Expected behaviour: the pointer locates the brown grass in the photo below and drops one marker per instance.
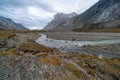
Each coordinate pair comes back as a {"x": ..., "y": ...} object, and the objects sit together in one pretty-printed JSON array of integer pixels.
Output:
[
  {"x": 87, "y": 68},
  {"x": 4, "y": 36},
  {"x": 74, "y": 70},
  {"x": 81, "y": 56},
  {"x": 42, "y": 54},
  {"x": 23, "y": 31},
  {"x": 113, "y": 30},
  {"x": 34, "y": 47},
  {"x": 9, "y": 53},
  {"x": 55, "y": 62},
  {"x": 44, "y": 60},
  {"x": 88, "y": 56}
]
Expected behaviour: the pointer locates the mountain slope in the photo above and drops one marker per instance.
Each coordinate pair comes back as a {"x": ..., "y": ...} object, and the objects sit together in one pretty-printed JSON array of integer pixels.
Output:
[
  {"x": 59, "y": 20},
  {"x": 104, "y": 14},
  {"x": 107, "y": 18},
  {"x": 8, "y": 24}
]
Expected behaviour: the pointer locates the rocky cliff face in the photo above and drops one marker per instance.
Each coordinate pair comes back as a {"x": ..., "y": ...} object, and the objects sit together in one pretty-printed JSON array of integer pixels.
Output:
[
  {"x": 101, "y": 15},
  {"x": 107, "y": 17},
  {"x": 8, "y": 24},
  {"x": 59, "y": 20}
]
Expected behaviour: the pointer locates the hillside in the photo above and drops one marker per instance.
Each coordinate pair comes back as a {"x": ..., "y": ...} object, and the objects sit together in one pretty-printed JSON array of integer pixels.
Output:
[{"x": 8, "y": 24}]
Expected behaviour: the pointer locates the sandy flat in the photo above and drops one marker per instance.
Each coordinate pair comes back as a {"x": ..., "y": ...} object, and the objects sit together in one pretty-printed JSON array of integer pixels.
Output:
[{"x": 80, "y": 36}]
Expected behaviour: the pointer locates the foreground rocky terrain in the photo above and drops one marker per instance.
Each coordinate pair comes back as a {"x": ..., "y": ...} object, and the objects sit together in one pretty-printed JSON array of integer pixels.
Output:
[{"x": 21, "y": 58}]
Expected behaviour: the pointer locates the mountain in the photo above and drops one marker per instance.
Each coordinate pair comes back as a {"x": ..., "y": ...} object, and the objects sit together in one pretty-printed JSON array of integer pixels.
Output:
[
  {"x": 104, "y": 14},
  {"x": 59, "y": 20},
  {"x": 8, "y": 24}
]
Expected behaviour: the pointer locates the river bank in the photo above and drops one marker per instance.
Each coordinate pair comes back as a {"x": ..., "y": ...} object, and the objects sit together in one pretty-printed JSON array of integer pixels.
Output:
[{"x": 108, "y": 48}]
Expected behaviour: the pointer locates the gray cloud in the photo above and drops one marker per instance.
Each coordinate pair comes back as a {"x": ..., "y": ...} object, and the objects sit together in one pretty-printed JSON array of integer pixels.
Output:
[
  {"x": 35, "y": 14},
  {"x": 10, "y": 3},
  {"x": 18, "y": 11},
  {"x": 26, "y": 3},
  {"x": 40, "y": 4}
]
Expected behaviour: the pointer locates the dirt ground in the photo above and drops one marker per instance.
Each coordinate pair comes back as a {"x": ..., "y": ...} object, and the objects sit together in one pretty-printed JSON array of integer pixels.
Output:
[{"x": 82, "y": 36}]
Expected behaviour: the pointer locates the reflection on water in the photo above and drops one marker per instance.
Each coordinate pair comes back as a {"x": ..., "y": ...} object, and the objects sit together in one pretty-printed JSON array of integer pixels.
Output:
[{"x": 65, "y": 45}]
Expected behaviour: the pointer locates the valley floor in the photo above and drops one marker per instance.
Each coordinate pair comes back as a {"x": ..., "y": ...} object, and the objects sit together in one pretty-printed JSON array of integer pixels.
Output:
[
  {"x": 90, "y": 36},
  {"x": 21, "y": 58},
  {"x": 82, "y": 36}
]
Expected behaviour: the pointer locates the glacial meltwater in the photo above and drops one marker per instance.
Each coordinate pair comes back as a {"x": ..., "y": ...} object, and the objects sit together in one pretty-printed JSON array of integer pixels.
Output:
[{"x": 73, "y": 46}]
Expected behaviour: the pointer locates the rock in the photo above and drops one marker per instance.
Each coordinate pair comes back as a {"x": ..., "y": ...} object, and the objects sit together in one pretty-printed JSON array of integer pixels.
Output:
[{"x": 101, "y": 57}]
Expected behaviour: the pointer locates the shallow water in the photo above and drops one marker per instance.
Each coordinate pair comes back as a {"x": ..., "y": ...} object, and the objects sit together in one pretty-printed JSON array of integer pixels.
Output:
[{"x": 72, "y": 46}]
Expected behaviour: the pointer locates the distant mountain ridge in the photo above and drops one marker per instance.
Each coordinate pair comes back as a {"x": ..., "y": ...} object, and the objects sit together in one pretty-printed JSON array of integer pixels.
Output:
[
  {"x": 104, "y": 14},
  {"x": 59, "y": 20},
  {"x": 8, "y": 24}
]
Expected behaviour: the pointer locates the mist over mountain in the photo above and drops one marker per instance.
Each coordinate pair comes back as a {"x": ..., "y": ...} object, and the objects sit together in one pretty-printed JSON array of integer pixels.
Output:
[{"x": 104, "y": 14}]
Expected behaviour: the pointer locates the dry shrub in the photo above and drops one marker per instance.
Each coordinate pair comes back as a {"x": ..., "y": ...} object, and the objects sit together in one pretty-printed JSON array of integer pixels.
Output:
[
  {"x": 74, "y": 70},
  {"x": 44, "y": 60},
  {"x": 114, "y": 30},
  {"x": 9, "y": 53},
  {"x": 4, "y": 36},
  {"x": 34, "y": 47},
  {"x": 42, "y": 54},
  {"x": 86, "y": 56},
  {"x": 70, "y": 66},
  {"x": 26, "y": 31},
  {"x": 2, "y": 53},
  {"x": 73, "y": 55},
  {"x": 87, "y": 68},
  {"x": 81, "y": 56},
  {"x": 55, "y": 62}
]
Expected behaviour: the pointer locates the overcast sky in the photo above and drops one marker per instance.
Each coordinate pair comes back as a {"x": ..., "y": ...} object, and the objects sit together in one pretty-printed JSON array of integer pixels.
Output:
[{"x": 35, "y": 14}]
